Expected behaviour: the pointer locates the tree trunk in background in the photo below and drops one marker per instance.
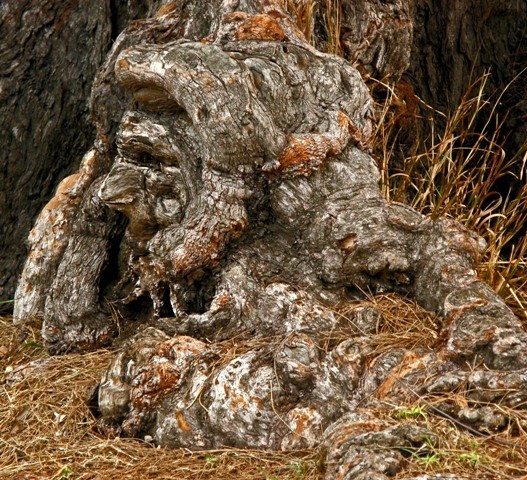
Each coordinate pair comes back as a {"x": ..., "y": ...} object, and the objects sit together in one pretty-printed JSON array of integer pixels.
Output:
[
  {"x": 49, "y": 55},
  {"x": 442, "y": 47},
  {"x": 50, "y": 52},
  {"x": 457, "y": 41}
]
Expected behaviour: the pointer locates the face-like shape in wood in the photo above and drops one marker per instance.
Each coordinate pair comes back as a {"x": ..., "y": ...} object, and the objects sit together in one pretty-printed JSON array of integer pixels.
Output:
[
  {"x": 154, "y": 174},
  {"x": 211, "y": 127},
  {"x": 251, "y": 209}
]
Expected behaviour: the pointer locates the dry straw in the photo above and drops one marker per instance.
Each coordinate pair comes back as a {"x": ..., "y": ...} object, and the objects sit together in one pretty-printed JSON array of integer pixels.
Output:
[
  {"x": 308, "y": 13},
  {"x": 401, "y": 323},
  {"x": 454, "y": 171},
  {"x": 48, "y": 431}
]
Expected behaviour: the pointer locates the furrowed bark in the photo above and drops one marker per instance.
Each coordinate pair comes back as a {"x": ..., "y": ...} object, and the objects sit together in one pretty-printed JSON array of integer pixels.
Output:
[{"x": 49, "y": 55}]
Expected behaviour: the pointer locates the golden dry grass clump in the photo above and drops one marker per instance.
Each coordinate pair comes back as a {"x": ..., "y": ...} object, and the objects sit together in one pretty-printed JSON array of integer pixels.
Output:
[
  {"x": 457, "y": 166},
  {"x": 401, "y": 323}
]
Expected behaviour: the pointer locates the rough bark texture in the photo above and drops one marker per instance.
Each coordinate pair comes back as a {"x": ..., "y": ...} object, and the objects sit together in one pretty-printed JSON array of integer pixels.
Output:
[
  {"x": 440, "y": 48},
  {"x": 377, "y": 36},
  {"x": 49, "y": 55},
  {"x": 469, "y": 36},
  {"x": 227, "y": 206},
  {"x": 44, "y": 129}
]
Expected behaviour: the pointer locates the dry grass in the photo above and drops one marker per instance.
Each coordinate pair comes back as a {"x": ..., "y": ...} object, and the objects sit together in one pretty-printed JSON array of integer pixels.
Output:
[
  {"x": 401, "y": 324},
  {"x": 462, "y": 454},
  {"x": 455, "y": 172},
  {"x": 332, "y": 23},
  {"x": 470, "y": 454},
  {"x": 49, "y": 432},
  {"x": 307, "y": 13},
  {"x": 303, "y": 12}
]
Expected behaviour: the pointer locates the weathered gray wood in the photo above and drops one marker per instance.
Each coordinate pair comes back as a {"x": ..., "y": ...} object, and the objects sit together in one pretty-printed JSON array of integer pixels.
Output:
[
  {"x": 234, "y": 151},
  {"x": 378, "y": 35},
  {"x": 441, "y": 48}
]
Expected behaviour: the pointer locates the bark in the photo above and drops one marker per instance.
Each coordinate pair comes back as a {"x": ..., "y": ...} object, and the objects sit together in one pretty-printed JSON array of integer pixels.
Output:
[
  {"x": 436, "y": 50},
  {"x": 227, "y": 206},
  {"x": 49, "y": 55},
  {"x": 377, "y": 36},
  {"x": 470, "y": 37},
  {"x": 59, "y": 48},
  {"x": 455, "y": 43},
  {"x": 43, "y": 116}
]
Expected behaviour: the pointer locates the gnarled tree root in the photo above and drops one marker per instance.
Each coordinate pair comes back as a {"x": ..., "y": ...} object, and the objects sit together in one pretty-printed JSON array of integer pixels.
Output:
[{"x": 233, "y": 150}]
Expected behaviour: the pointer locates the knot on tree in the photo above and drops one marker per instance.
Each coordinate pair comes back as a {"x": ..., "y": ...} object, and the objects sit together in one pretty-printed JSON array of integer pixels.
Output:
[
  {"x": 260, "y": 27},
  {"x": 305, "y": 153}
]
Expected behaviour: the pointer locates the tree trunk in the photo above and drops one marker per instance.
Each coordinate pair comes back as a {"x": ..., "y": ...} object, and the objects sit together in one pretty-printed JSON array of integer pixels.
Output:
[
  {"x": 49, "y": 54},
  {"x": 227, "y": 207},
  {"x": 469, "y": 37},
  {"x": 59, "y": 46},
  {"x": 456, "y": 42}
]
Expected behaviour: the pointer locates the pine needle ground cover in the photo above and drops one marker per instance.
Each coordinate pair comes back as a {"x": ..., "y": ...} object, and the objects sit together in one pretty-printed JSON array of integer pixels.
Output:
[{"x": 48, "y": 430}]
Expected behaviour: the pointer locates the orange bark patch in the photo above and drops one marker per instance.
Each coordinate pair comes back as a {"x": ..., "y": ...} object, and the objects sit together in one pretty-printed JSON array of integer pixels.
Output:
[
  {"x": 349, "y": 243},
  {"x": 182, "y": 423},
  {"x": 222, "y": 301},
  {"x": 123, "y": 64},
  {"x": 61, "y": 199},
  {"x": 275, "y": 13},
  {"x": 302, "y": 422},
  {"x": 410, "y": 362},
  {"x": 68, "y": 183},
  {"x": 151, "y": 386},
  {"x": 302, "y": 150},
  {"x": 56, "y": 203},
  {"x": 305, "y": 153},
  {"x": 260, "y": 27},
  {"x": 170, "y": 7},
  {"x": 180, "y": 346},
  {"x": 350, "y": 430},
  {"x": 235, "y": 17}
]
